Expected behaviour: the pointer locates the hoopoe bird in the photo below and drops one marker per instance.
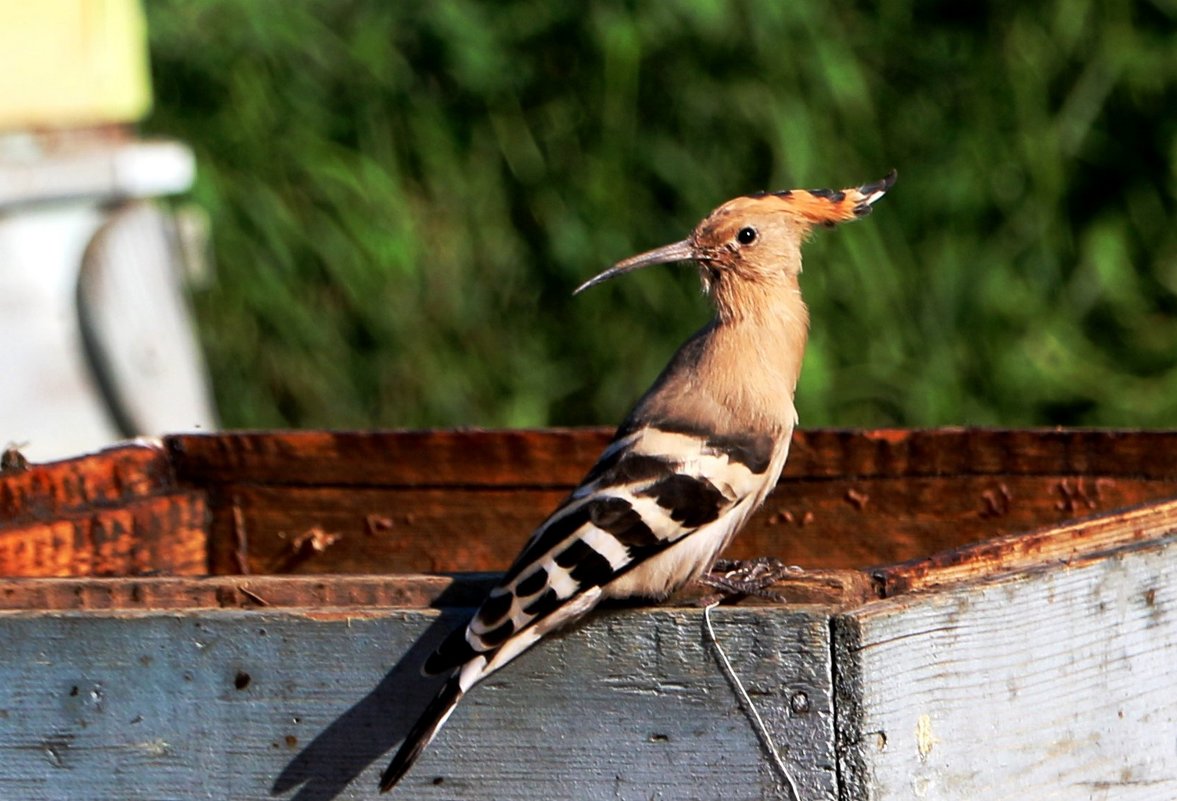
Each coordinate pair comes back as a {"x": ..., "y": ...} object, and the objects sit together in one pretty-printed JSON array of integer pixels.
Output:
[{"x": 694, "y": 459}]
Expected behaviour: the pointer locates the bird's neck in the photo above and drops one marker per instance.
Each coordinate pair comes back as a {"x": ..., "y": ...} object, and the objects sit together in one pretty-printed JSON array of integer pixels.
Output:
[
  {"x": 757, "y": 343},
  {"x": 737, "y": 374}
]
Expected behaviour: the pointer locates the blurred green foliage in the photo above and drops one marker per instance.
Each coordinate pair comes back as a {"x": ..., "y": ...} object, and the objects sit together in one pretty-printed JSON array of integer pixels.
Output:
[{"x": 403, "y": 196}]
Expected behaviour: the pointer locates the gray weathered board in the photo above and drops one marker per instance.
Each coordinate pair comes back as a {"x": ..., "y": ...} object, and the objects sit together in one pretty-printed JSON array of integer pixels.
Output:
[
  {"x": 1053, "y": 680},
  {"x": 231, "y": 704},
  {"x": 1058, "y": 682}
]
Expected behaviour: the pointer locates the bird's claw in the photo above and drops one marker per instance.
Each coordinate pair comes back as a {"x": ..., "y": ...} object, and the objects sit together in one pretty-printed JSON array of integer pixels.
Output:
[{"x": 740, "y": 578}]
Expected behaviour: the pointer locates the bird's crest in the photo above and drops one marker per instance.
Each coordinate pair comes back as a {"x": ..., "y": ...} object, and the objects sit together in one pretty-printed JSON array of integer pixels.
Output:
[{"x": 831, "y": 206}]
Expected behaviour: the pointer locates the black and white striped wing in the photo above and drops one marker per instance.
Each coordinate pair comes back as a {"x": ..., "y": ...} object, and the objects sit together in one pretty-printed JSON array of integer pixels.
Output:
[{"x": 651, "y": 489}]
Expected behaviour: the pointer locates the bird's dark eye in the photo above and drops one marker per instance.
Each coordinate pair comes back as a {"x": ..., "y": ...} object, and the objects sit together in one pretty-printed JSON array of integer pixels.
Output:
[{"x": 746, "y": 236}]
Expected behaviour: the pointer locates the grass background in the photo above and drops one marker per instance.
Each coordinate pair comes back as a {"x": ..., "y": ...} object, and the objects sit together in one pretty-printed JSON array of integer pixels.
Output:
[{"x": 403, "y": 196}]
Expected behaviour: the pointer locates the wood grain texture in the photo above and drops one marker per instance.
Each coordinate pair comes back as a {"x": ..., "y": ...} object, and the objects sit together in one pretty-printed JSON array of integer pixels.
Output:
[
  {"x": 832, "y": 588},
  {"x": 1054, "y": 682},
  {"x": 1057, "y": 545},
  {"x": 142, "y": 535},
  {"x": 157, "y": 593},
  {"x": 263, "y": 704},
  {"x": 44, "y": 492},
  {"x": 826, "y": 523},
  {"x": 848, "y": 499},
  {"x": 832, "y": 453},
  {"x": 439, "y": 501},
  {"x": 441, "y": 458},
  {"x": 116, "y": 512},
  {"x": 559, "y": 457},
  {"x": 434, "y": 530},
  {"x": 853, "y": 522}
]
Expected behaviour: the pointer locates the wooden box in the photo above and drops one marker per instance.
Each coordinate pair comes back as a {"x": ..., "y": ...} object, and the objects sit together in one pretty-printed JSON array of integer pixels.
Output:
[{"x": 976, "y": 614}]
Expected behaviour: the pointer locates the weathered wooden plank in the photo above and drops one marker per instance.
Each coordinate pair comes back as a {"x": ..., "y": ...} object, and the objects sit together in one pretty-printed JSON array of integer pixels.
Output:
[
  {"x": 1056, "y": 544},
  {"x": 366, "y": 530},
  {"x": 252, "y": 705},
  {"x": 157, "y": 593},
  {"x": 834, "y": 588},
  {"x": 559, "y": 457},
  {"x": 980, "y": 451},
  {"x": 445, "y": 458},
  {"x": 859, "y": 522},
  {"x": 849, "y": 499},
  {"x": 363, "y": 502},
  {"x": 44, "y": 492},
  {"x": 141, "y": 535},
  {"x": 829, "y": 523},
  {"x": 1054, "y": 682}
]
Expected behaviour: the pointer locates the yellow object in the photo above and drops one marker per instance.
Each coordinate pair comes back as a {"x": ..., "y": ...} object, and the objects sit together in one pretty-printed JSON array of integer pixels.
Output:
[{"x": 72, "y": 63}]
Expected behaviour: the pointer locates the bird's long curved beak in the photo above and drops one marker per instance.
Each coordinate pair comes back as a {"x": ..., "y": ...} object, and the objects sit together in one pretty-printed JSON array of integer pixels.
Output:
[{"x": 679, "y": 251}]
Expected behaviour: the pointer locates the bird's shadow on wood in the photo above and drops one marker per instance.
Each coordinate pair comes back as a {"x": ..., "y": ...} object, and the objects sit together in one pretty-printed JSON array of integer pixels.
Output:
[
  {"x": 383, "y": 717},
  {"x": 366, "y": 731}
]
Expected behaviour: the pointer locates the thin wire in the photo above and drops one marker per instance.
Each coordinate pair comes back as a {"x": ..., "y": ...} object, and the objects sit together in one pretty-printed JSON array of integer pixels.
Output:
[{"x": 746, "y": 700}]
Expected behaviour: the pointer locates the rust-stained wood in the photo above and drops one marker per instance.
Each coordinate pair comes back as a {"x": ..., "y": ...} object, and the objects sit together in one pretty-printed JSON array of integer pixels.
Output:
[
  {"x": 117, "y": 512},
  {"x": 162, "y": 534},
  {"x": 846, "y": 453},
  {"x": 826, "y": 523},
  {"x": 443, "y": 501},
  {"x": 373, "y": 530},
  {"x": 132, "y": 594},
  {"x": 832, "y": 588},
  {"x": 1056, "y": 545},
  {"x": 847, "y": 499},
  {"x": 859, "y": 522},
  {"x": 43, "y": 493},
  {"x": 451, "y": 458},
  {"x": 559, "y": 457}
]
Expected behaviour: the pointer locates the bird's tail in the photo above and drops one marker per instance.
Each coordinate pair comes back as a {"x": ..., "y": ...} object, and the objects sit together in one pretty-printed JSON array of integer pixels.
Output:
[
  {"x": 830, "y": 206},
  {"x": 423, "y": 732}
]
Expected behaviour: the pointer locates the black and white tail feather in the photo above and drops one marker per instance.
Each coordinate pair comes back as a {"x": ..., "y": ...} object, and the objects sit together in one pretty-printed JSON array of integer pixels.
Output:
[{"x": 695, "y": 458}]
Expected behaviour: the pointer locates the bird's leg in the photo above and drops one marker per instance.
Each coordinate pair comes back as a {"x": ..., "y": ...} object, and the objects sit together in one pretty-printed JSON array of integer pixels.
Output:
[{"x": 744, "y": 577}]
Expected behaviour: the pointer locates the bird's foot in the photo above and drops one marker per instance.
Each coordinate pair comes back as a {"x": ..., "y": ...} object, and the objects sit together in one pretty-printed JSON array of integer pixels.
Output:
[{"x": 740, "y": 578}]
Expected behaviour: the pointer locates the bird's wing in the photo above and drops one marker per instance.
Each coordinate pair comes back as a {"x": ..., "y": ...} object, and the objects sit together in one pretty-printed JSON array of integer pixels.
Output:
[{"x": 651, "y": 488}]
